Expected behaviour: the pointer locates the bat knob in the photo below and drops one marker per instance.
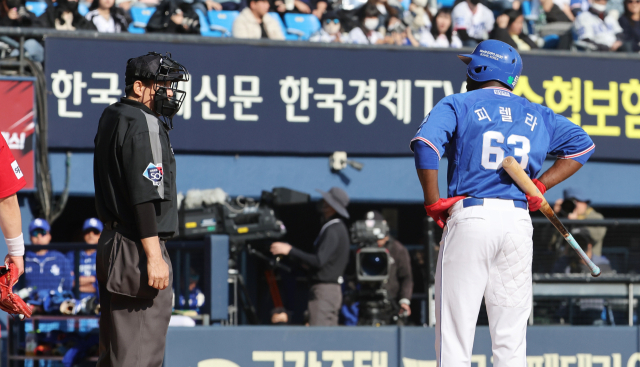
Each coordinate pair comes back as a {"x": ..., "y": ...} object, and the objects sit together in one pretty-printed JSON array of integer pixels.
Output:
[{"x": 595, "y": 272}]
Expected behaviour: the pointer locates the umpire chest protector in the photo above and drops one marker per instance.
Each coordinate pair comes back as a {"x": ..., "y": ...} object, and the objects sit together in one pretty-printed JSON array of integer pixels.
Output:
[{"x": 134, "y": 164}]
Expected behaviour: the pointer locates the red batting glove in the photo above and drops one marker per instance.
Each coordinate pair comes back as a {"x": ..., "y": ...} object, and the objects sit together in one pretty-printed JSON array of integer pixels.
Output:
[
  {"x": 535, "y": 202},
  {"x": 438, "y": 210}
]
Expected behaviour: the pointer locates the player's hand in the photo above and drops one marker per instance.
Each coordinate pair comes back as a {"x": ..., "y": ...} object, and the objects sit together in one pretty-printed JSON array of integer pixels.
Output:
[
  {"x": 406, "y": 309},
  {"x": 438, "y": 210},
  {"x": 535, "y": 202},
  {"x": 158, "y": 272},
  {"x": 18, "y": 261},
  {"x": 280, "y": 248}
]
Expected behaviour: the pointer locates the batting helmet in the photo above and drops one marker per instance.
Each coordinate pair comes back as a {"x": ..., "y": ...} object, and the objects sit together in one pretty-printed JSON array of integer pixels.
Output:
[{"x": 494, "y": 60}]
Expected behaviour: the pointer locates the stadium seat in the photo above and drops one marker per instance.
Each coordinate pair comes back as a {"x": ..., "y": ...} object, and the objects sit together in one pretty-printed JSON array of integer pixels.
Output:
[
  {"x": 405, "y": 4},
  {"x": 83, "y": 9},
  {"x": 36, "y": 7},
  {"x": 302, "y": 25},
  {"x": 140, "y": 18},
  {"x": 287, "y": 35},
  {"x": 220, "y": 23},
  {"x": 445, "y": 3}
]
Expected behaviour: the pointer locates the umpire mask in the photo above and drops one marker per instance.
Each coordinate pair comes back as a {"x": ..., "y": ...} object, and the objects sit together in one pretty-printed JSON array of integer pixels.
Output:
[{"x": 168, "y": 98}]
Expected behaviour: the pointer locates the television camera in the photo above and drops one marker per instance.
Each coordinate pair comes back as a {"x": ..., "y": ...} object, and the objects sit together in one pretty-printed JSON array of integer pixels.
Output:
[{"x": 373, "y": 266}]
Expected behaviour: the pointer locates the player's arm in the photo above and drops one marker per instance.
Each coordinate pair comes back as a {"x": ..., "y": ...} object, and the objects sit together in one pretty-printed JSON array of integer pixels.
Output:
[
  {"x": 11, "y": 225},
  {"x": 573, "y": 147},
  {"x": 428, "y": 145}
]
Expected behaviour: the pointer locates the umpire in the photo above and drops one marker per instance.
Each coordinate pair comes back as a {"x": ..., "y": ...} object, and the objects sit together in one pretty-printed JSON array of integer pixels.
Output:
[
  {"x": 328, "y": 261},
  {"x": 134, "y": 173}
]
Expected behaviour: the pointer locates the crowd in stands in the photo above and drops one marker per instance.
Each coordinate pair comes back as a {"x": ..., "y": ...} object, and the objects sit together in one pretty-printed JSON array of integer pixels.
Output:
[{"x": 583, "y": 25}]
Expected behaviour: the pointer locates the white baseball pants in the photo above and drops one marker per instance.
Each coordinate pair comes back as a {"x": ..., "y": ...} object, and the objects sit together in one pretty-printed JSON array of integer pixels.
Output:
[{"x": 486, "y": 250}]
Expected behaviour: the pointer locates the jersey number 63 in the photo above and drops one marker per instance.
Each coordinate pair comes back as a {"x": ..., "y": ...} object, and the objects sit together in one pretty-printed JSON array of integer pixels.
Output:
[{"x": 488, "y": 150}]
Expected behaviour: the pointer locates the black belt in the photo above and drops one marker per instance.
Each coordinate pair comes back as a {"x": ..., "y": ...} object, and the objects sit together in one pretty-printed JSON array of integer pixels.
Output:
[{"x": 475, "y": 202}]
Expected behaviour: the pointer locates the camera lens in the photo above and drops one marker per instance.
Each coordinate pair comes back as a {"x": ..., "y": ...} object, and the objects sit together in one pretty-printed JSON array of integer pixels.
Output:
[{"x": 374, "y": 264}]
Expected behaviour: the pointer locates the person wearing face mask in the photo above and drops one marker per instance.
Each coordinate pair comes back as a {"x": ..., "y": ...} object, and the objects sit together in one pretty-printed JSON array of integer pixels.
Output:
[
  {"x": 509, "y": 30},
  {"x": 473, "y": 21},
  {"x": 398, "y": 34},
  {"x": 331, "y": 31},
  {"x": 64, "y": 17},
  {"x": 442, "y": 34},
  {"x": 366, "y": 33},
  {"x": 329, "y": 260},
  {"x": 599, "y": 30}
]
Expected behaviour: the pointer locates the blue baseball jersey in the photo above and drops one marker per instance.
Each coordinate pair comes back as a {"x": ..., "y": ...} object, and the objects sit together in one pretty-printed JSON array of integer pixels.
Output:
[
  {"x": 48, "y": 271},
  {"x": 87, "y": 267},
  {"x": 478, "y": 129}
]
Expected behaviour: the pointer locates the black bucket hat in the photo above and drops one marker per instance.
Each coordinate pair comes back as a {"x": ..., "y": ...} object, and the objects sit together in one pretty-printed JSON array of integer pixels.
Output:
[{"x": 338, "y": 199}]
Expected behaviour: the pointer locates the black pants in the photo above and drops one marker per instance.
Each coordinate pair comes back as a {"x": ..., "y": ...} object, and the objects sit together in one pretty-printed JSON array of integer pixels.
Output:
[{"x": 133, "y": 330}]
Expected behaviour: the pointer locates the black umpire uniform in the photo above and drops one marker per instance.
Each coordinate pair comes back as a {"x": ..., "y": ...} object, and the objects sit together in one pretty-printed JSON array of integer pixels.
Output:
[{"x": 135, "y": 187}]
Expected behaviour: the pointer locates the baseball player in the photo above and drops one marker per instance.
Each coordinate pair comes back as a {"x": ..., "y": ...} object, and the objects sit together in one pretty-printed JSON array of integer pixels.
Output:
[
  {"x": 11, "y": 180},
  {"x": 486, "y": 247},
  {"x": 91, "y": 229},
  {"x": 46, "y": 270}
]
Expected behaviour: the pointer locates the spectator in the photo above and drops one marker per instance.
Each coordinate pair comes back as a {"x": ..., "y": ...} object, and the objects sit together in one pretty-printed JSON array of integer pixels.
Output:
[
  {"x": 208, "y": 5},
  {"x": 174, "y": 17},
  {"x": 331, "y": 31},
  {"x": 398, "y": 34},
  {"x": 125, "y": 7},
  {"x": 400, "y": 284},
  {"x": 386, "y": 10},
  {"x": 64, "y": 17},
  {"x": 92, "y": 228},
  {"x": 630, "y": 23},
  {"x": 14, "y": 14},
  {"x": 419, "y": 18},
  {"x": 597, "y": 30},
  {"x": 557, "y": 13},
  {"x": 107, "y": 17},
  {"x": 570, "y": 261},
  {"x": 473, "y": 21},
  {"x": 329, "y": 260},
  {"x": 254, "y": 22},
  {"x": 366, "y": 33},
  {"x": 46, "y": 269},
  {"x": 509, "y": 29},
  {"x": 575, "y": 205},
  {"x": 315, "y": 7},
  {"x": 442, "y": 34}
]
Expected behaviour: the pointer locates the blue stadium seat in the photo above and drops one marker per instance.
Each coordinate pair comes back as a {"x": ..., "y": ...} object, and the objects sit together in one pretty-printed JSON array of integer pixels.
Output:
[
  {"x": 220, "y": 23},
  {"x": 302, "y": 25},
  {"x": 36, "y": 7},
  {"x": 445, "y": 3},
  {"x": 287, "y": 35},
  {"x": 140, "y": 18},
  {"x": 405, "y": 4},
  {"x": 83, "y": 9}
]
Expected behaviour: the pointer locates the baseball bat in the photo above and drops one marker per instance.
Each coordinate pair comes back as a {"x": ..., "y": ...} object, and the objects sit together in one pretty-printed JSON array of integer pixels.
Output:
[{"x": 523, "y": 181}]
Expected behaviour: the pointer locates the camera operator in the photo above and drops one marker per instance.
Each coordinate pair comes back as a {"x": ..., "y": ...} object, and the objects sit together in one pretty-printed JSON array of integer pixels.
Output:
[
  {"x": 575, "y": 205},
  {"x": 399, "y": 286},
  {"x": 329, "y": 260}
]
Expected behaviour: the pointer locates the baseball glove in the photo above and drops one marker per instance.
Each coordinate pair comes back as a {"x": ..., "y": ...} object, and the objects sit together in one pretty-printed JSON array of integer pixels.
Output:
[{"x": 9, "y": 301}]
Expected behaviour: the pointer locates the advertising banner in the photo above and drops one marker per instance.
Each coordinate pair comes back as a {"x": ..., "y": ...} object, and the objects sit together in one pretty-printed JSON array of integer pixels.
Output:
[
  {"x": 17, "y": 123},
  {"x": 274, "y": 99}
]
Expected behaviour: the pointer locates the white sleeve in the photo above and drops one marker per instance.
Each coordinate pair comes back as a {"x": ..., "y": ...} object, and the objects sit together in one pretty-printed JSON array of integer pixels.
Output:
[
  {"x": 455, "y": 42},
  {"x": 582, "y": 28},
  {"x": 459, "y": 17}
]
